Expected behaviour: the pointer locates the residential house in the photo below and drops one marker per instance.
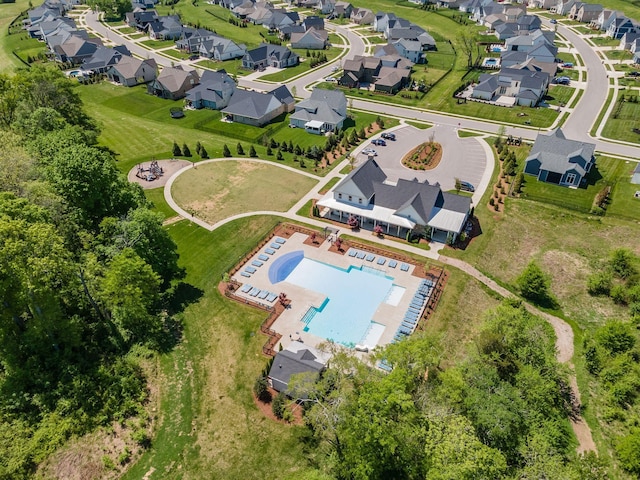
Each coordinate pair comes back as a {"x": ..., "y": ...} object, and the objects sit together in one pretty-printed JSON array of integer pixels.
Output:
[
  {"x": 76, "y": 49},
  {"x": 325, "y": 6},
  {"x": 362, "y": 16},
  {"x": 296, "y": 362},
  {"x": 452, "y": 4},
  {"x": 140, "y": 19},
  {"x": 267, "y": 55},
  {"x": 221, "y": 49},
  {"x": 412, "y": 33},
  {"x": 166, "y": 27},
  {"x": 214, "y": 91},
  {"x": 469, "y": 6},
  {"x": 258, "y": 108},
  {"x": 311, "y": 39},
  {"x": 620, "y": 26},
  {"x": 324, "y": 111},
  {"x": 387, "y": 73},
  {"x": 588, "y": 12},
  {"x": 628, "y": 41},
  {"x": 47, "y": 27},
  {"x": 313, "y": 21},
  {"x": 543, "y": 4},
  {"x": 635, "y": 176},
  {"x": 173, "y": 83},
  {"x": 528, "y": 40},
  {"x": 411, "y": 50},
  {"x": 573, "y": 12},
  {"x": 517, "y": 85},
  {"x": 280, "y": 19},
  {"x": 131, "y": 71},
  {"x": 381, "y": 21},
  {"x": 143, "y": 4},
  {"x": 542, "y": 53},
  {"x": 397, "y": 208},
  {"x": 556, "y": 159},
  {"x": 105, "y": 57},
  {"x": 563, "y": 7},
  {"x": 342, "y": 9},
  {"x": 605, "y": 18}
]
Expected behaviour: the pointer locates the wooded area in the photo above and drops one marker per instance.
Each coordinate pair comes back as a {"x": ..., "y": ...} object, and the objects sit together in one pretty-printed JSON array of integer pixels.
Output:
[{"x": 85, "y": 276}]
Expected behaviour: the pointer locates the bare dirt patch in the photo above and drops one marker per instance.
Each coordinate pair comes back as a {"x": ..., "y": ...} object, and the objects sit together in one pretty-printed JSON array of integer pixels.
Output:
[
  {"x": 425, "y": 156},
  {"x": 169, "y": 167}
]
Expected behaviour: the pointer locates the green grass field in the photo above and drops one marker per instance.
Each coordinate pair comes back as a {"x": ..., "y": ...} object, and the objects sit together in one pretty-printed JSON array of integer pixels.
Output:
[
  {"x": 8, "y": 12},
  {"x": 605, "y": 41},
  {"x": 290, "y": 72},
  {"x": 218, "y": 190},
  {"x": 627, "y": 117},
  {"x": 618, "y": 55},
  {"x": 559, "y": 94},
  {"x": 156, "y": 197}
]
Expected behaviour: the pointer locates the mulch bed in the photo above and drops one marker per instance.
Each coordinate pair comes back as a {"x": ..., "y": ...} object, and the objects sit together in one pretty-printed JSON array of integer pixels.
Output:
[
  {"x": 426, "y": 160},
  {"x": 265, "y": 408}
]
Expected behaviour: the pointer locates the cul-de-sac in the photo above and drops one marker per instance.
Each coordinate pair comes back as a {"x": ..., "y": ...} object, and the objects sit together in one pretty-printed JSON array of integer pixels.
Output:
[{"x": 316, "y": 240}]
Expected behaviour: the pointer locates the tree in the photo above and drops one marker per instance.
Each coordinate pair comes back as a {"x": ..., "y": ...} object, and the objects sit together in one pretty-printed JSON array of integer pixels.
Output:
[
  {"x": 204, "y": 153},
  {"x": 616, "y": 337},
  {"x": 458, "y": 185},
  {"x": 261, "y": 389},
  {"x": 279, "y": 155},
  {"x": 533, "y": 283},
  {"x": 467, "y": 42},
  {"x": 252, "y": 152},
  {"x": 600, "y": 283},
  {"x": 225, "y": 151},
  {"x": 269, "y": 151},
  {"x": 290, "y": 147},
  {"x": 622, "y": 262},
  {"x": 279, "y": 404},
  {"x": 453, "y": 451},
  {"x": 628, "y": 450},
  {"x": 176, "y": 150},
  {"x": 198, "y": 147},
  {"x": 185, "y": 150},
  {"x": 239, "y": 149},
  {"x": 130, "y": 291}
]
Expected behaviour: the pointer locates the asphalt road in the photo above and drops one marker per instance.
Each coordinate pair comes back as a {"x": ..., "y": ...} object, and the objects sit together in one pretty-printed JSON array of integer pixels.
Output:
[{"x": 462, "y": 158}]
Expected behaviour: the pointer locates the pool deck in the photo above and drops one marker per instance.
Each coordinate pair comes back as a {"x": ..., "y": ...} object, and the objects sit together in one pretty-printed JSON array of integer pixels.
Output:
[{"x": 289, "y": 323}]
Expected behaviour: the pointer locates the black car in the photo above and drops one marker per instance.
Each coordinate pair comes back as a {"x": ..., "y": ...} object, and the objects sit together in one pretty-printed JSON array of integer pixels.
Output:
[
  {"x": 467, "y": 187},
  {"x": 388, "y": 136}
]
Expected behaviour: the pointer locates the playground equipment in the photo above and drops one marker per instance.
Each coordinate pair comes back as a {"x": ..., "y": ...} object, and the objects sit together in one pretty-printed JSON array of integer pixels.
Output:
[{"x": 150, "y": 174}]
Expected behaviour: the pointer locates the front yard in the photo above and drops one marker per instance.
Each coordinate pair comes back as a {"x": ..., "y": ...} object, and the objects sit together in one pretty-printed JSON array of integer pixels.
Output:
[{"x": 623, "y": 120}]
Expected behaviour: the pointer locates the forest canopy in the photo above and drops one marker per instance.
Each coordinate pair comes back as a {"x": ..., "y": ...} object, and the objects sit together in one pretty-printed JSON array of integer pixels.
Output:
[{"x": 86, "y": 272}]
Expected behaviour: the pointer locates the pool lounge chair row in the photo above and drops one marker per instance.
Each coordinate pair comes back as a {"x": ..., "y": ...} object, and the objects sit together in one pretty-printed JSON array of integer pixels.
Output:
[
  {"x": 359, "y": 254},
  {"x": 256, "y": 292}
]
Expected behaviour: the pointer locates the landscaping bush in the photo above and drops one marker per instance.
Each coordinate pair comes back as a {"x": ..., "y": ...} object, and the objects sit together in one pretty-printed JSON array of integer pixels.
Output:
[
  {"x": 252, "y": 152},
  {"x": 619, "y": 294},
  {"x": 185, "y": 150},
  {"x": 278, "y": 405},
  {"x": 599, "y": 283},
  {"x": 622, "y": 262},
  {"x": 239, "y": 149},
  {"x": 261, "y": 389},
  {"x": 533, "y": 283},
  {"x": 204, "y": 153},
  {"x": 176, "y": 150},
  {"x": 225, "y": 151},
  {"x": 269, "y": 151}
]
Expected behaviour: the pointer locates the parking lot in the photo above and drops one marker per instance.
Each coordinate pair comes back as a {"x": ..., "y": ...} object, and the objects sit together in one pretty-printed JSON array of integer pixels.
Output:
[{"x": 462, "y": 158}]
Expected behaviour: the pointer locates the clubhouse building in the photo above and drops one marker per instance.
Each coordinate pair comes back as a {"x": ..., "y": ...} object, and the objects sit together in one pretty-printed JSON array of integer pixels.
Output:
[{"x": 367, "y": 197}]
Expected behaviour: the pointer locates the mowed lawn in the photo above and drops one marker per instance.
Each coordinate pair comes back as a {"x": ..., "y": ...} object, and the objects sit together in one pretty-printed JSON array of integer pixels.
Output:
[
  {"x": 8, "y": 13},
  {"x": 627, "y": 118},
  {"x": 217, "y": 190},
  {"x": 207, "y": 423}
]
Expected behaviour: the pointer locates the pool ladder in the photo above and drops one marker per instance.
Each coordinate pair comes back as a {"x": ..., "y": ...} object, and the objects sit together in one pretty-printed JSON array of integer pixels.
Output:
[{"x": 309, "y": 314}]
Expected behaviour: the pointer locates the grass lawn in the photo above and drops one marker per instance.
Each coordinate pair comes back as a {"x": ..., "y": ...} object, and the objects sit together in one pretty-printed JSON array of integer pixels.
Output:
[
  {"x": 329, "y": 185},
  {"x": 175, "y": 53},
  {"x": 216, "y": 18},
  {"x": 559, "y": 94},
  {"x": 290, "y": 72},
  {"x": 623, "y": 203},
  {"x": 567, "y": 57},
  {"x": 603, "y": 110},
  {"x": 618, "y": 54},
  {"x": 218, "y": 190},
  {"x": 605, "y": 41},
  {"x": 153, "y": 44},
  {"x": 156, "y": 196},
  {"x": 127, "y": 30},
  {"x": 232, "y": 67},
  {"x": 627, "y": 118},
  {"x": 208, "y": 425},
  {"x": 420, "y": 125},
  {"x": 22, "y": 46},
  {"x": 605, "y": 172},
  {"x": 577, "y": 99}
]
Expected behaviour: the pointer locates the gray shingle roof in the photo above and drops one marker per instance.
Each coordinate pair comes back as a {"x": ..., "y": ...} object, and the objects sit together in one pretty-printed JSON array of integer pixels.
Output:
[
  {"x": 251, "y": 104},
  {"x": 288, "y": 363},
  {"x": 554, "y": 151}
]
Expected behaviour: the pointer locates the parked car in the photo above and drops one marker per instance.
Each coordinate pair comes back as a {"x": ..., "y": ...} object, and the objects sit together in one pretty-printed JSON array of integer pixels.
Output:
[
  {"x": 562, "y": 80},
  {"x": 567, "y": 65},
  {"x": 195, "y": 56},
  {"x": 553, "y": 20},
  {"x": 379, "y": 142},
  {"x": 634, "y": 74},
  {"x": 370, "y": 151},
  {"x": 388, "y": 136},
  {"x": 467, "y": 187}
]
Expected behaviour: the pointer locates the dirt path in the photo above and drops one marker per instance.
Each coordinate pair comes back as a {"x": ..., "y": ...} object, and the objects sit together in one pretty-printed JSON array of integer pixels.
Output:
[{"x": 564, "y": 347}]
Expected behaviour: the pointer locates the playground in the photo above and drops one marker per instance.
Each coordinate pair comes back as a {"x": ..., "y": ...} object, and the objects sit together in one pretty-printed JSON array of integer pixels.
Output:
[{"x": 155, "y": 174}]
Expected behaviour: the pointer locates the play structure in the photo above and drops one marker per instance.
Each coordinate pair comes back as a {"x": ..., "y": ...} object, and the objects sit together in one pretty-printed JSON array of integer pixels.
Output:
[{"x": 149, "y": 174}]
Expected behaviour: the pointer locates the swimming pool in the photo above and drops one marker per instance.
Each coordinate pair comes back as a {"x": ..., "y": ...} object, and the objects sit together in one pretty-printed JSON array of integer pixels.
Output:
[{"x": 352, "y": 298}]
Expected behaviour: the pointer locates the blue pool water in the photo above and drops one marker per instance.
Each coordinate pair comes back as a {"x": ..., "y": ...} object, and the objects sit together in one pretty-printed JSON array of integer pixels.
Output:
[
  {"x": 490, "y": 61},
  {"x": 282, "y": 266},
  {"x": 352, "y": 297}
]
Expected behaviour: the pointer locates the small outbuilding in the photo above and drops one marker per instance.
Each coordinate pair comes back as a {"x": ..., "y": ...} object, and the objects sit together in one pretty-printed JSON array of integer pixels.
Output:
[
  {"x": 635, "y": 176},
  {"x": 296, "y": 359}
]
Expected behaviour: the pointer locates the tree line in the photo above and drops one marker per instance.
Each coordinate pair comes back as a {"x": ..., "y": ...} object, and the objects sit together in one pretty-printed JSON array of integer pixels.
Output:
[{"x": 86, "y": 275}]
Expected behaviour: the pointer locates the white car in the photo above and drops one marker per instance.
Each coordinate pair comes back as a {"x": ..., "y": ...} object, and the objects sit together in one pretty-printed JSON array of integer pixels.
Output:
[{"x": 370, "y": 151}]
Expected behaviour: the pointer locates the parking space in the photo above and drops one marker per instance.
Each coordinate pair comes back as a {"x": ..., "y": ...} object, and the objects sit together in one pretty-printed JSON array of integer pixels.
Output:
[{"x": 462, "y": 158}]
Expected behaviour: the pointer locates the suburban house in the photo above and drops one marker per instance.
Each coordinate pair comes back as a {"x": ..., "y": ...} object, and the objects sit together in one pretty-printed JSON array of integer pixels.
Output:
[
  {"x": 130, "y": 71},
  {"x": 468, "y": 6},
  {"x": 556, "y": 159},
  {"x": 397, "y": 208},
  {"x": 214, "y": 92},
  {"x": 173, "y": 83},
  {"x": 544, "y": 4},
  {"x": 76, "y": 49},
  {"x": 140, "y": 19},
  {"x": 635, "y": 176},
  {"x": 209, "y": 44},
  {"x": 257, "y": 108},
  {"x": 387, "y": 73},
  {"x": 525, "y": 23},
  {"x": 312, "y": 39},
  {"x": 362, "y": 16},
  {"x": 620, "y": 26},
  {"x": 105, "y": 57},
  {"x": 324, "y": 111},
  {"x": 267, "y": 55},
  {"x": 628, "y": 41},
  {"x": 605, "y": 18},
  {"x": 325, "y": 6},
  {"x": 528, "y": 40},
  {"x": 563, "y": 7},
  {"x": 342, "y": 9},
  {"x": 278, "y": 19},
  {"x": 588, "y": 12},
  {"x": 518, "y": 85},
  {"x": 542, "y": 54},
  {"x": 165, "y": 28},
  {"x": 299, "y": 360}
]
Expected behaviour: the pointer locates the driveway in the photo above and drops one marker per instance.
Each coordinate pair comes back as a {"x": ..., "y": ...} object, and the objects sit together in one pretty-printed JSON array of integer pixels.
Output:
[{"x": 463, "y": 158}]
